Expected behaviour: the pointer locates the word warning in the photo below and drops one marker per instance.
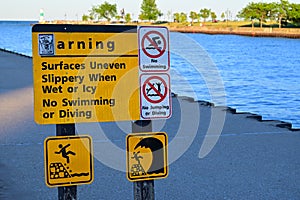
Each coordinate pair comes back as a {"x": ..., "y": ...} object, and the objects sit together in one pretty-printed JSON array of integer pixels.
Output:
[{"x": 68, "y": 160}]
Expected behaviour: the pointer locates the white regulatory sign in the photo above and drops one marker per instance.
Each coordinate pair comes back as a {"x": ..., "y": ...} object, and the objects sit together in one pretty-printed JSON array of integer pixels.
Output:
[
  {"x": 154, "y": 62},
  {"x": 154, "y": 53},
  {"x": 155, "y": 96}
]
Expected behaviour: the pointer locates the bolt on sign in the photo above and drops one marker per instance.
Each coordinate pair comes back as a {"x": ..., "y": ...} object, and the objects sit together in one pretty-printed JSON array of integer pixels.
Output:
[
  {"x": 91, "y": 73},
  {"x": 68, "y": 160},
  {"x": 146, "y": 156}
]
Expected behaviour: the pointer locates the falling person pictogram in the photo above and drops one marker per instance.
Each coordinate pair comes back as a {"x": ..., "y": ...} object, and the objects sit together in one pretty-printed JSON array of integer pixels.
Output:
[{"x": 64, "y": 152}]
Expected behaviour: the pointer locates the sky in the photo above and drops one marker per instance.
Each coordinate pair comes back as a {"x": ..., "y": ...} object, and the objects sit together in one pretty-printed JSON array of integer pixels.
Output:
[{"x": 74, "y": 9}]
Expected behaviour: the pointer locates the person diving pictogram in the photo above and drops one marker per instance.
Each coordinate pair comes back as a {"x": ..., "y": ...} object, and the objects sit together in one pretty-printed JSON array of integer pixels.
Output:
[
  {"x": 64, "y": 153},
  {"x": 154, "y": 43}
]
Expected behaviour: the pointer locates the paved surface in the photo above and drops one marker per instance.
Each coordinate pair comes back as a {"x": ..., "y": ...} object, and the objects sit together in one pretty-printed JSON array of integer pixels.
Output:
[{"x": 251, "y": 159}]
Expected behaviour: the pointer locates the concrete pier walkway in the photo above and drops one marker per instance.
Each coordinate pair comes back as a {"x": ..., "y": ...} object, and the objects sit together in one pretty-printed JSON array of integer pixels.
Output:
[{"x": 252, "y": 159}]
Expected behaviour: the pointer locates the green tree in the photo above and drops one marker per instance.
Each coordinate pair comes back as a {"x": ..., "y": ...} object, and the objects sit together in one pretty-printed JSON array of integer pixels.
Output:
[
  {"x": 205, "y": 13},
  {"x": 85, "y": 17},
  {"x": 248, "y": 13},
  {"x": 104, "y": 11},
  {"x": 193, "y": 16},
  {"x": 254, "y": 11},
  {"x": 223, "y": 16},
  {"x": 118, "y": 17},
  {"x": 92, "y": 17},
  {"x": 183, "y": 17},
  {"x": 260, "y": 11},
  {"x": 127, "y": 18},
  {"x": 280, "y": 11},
  {"x": 272, "y": 13},
  {"x": 213, "y": 16},
  {"x": 93, "y": 13},
  {"x": 176, "y": 17},
  {"x": 294, "y": 13},
  {"x": 268, "y": 12},
  {"x": 180, "y": 17},
  {"x": 198, "y": 17},
  {"x": 149, "y": 10}
]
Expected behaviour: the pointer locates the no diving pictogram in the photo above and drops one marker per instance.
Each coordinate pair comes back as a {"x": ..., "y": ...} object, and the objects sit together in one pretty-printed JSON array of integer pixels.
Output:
[
  {"x": 155, "y": 89},
  {"x": 154, "y": 44}
]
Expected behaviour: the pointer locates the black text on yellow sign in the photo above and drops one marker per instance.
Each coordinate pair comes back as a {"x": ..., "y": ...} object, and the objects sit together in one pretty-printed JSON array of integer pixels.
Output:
[
  {"x": 146, "y": 156},
  {"x": 85, "y": 73},
  {"x": 68, "y": 160}
]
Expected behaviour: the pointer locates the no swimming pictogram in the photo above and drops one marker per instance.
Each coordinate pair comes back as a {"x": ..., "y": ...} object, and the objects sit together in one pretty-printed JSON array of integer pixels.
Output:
[
  {"x": 154, "y": 44},
  {"x": 155, "y": 89}
]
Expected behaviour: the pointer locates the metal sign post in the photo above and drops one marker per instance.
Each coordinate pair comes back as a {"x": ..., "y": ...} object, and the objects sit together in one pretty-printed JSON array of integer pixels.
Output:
[
  {"x": 143, "y": 190},
  {"x": 67, "y": 192}
]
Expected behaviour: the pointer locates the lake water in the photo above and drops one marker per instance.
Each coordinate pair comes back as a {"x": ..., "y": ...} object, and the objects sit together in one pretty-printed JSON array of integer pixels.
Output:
[{"x": 258, "y": 75}]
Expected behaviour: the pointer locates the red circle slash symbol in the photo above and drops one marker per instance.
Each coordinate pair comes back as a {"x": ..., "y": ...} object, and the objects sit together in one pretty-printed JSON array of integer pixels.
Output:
[
  {"x": 156, "y": 44},
  {"x": 152, "y": 89}
]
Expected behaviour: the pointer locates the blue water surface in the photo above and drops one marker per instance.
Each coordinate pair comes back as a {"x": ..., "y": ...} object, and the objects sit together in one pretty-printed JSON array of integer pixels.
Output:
[
  {"x": 260, "y": 75},
  {"x": 251, "y": 74},
  {"x": 16, "y": 36}
]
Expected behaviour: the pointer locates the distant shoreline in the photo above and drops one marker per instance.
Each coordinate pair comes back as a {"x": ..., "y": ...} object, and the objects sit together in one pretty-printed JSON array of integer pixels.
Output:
[
  {"x": 293, "y": 33},
  {"x": 245, "y": 31}
]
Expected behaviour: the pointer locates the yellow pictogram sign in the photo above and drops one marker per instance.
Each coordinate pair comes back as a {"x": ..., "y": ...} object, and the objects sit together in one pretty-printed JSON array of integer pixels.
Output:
[
  {"x": 68, "y": 160},
  {"x": 146, "y": 156}
]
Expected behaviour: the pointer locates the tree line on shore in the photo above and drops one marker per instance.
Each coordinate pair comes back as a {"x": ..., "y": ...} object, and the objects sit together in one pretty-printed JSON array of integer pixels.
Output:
[{"x": 283, "y": 12}]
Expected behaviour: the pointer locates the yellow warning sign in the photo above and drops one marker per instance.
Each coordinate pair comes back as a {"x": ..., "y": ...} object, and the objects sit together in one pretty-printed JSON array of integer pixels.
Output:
[
  {"x": 85, "y": 73},
  {"x": 68, "y": 160},
  {"x": 146, "y": 156}
]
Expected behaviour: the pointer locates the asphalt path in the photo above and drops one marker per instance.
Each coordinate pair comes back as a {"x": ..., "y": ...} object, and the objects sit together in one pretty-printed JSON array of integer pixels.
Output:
[{"x": 244, "y": 158}]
